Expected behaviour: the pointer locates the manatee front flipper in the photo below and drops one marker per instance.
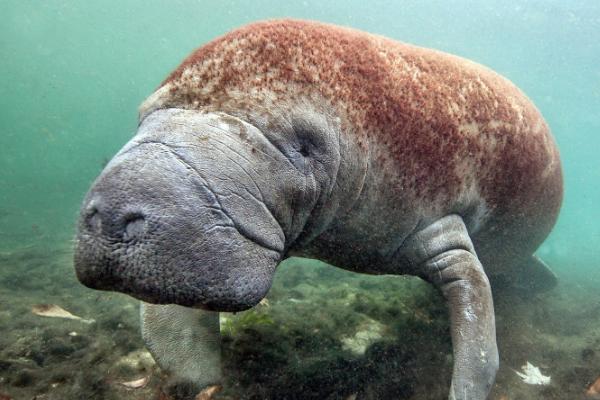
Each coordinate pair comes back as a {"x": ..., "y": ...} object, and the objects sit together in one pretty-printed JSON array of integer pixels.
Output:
[
  {"x": 185, "y": 342},
  {"x": 442, "y": 253}
]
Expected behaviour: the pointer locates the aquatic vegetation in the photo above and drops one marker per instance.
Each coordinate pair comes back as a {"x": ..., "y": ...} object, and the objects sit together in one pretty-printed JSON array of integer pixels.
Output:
[
  {"x": 288, "y": 345},
  {"x": 253, "y": 319}
]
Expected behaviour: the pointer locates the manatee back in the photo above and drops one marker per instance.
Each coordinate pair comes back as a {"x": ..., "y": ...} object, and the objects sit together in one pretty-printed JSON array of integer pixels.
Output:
[{"x": 449, "y": 134}]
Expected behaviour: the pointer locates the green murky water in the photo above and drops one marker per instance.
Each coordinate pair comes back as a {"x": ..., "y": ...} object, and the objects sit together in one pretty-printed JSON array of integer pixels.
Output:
[{"x": 72, "y": 74}]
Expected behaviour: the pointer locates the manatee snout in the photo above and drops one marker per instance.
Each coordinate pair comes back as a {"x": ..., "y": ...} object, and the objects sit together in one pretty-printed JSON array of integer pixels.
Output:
[{"x": 159, "y": 224}]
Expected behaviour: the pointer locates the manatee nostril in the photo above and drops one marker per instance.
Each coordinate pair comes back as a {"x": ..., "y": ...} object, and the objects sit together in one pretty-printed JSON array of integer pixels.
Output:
[
  {"x": 135, "y": 226},
  {"x": 92, "y": 219},
  {"x": 112, "y": 224}
]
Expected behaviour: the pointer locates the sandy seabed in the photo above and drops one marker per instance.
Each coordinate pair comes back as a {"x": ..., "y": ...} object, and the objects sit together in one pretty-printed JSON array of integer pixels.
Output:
[{"x": 323, "y": 333}]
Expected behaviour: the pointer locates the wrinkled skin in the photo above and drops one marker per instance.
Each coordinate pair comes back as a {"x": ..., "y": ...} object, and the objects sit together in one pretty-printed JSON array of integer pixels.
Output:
[
  {"x": 178, "y": 216},
  {"x": 200, "y": 207}
]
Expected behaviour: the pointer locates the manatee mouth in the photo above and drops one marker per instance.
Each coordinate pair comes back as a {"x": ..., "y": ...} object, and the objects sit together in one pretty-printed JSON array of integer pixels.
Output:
[{"x": 231, "y": 273}]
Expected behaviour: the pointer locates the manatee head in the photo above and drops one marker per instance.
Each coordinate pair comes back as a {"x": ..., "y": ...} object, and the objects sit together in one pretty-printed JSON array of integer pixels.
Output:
[{"x": 197, "y": 210}]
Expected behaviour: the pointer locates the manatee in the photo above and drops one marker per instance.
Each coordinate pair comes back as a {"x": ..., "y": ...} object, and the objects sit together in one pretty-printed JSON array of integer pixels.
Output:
[{"x": 296, "y": 138}]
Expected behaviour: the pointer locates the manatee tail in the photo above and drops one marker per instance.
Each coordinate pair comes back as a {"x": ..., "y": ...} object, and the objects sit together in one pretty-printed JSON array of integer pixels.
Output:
[
  {"x": 536, "y": 276},
  {"x": 529, "y": 277}
]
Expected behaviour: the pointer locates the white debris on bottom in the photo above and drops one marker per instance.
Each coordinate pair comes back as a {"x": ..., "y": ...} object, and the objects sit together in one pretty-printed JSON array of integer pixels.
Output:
[{"x": 532, "y": 375}]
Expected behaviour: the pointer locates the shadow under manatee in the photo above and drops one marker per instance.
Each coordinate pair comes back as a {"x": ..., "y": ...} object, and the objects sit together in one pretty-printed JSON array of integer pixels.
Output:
[
  {"x": 298, "y": 352},
  {"x": 259, "y": 367}
]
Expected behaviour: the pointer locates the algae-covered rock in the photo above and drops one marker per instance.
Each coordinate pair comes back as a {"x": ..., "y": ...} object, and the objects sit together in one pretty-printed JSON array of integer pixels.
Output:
[
  {"x": 137, "y": 360},
  {"x": 234, "y": 324},
  {"x": 369, "y": 332}
]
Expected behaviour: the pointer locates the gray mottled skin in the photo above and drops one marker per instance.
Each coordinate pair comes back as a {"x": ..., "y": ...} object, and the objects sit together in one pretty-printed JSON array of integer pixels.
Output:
[{"x": 200, "y": 207}]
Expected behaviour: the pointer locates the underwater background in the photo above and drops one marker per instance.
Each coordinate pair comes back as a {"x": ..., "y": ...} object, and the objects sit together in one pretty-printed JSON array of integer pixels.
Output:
[{"x": 72, "y": 74}]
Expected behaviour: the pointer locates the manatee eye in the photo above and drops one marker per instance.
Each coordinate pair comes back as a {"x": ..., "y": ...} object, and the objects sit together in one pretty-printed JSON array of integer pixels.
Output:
[
  {"x": 304, "y": 150},
  {"x": 305, "y": 135},
  {"x": 304, "y": 143}
]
